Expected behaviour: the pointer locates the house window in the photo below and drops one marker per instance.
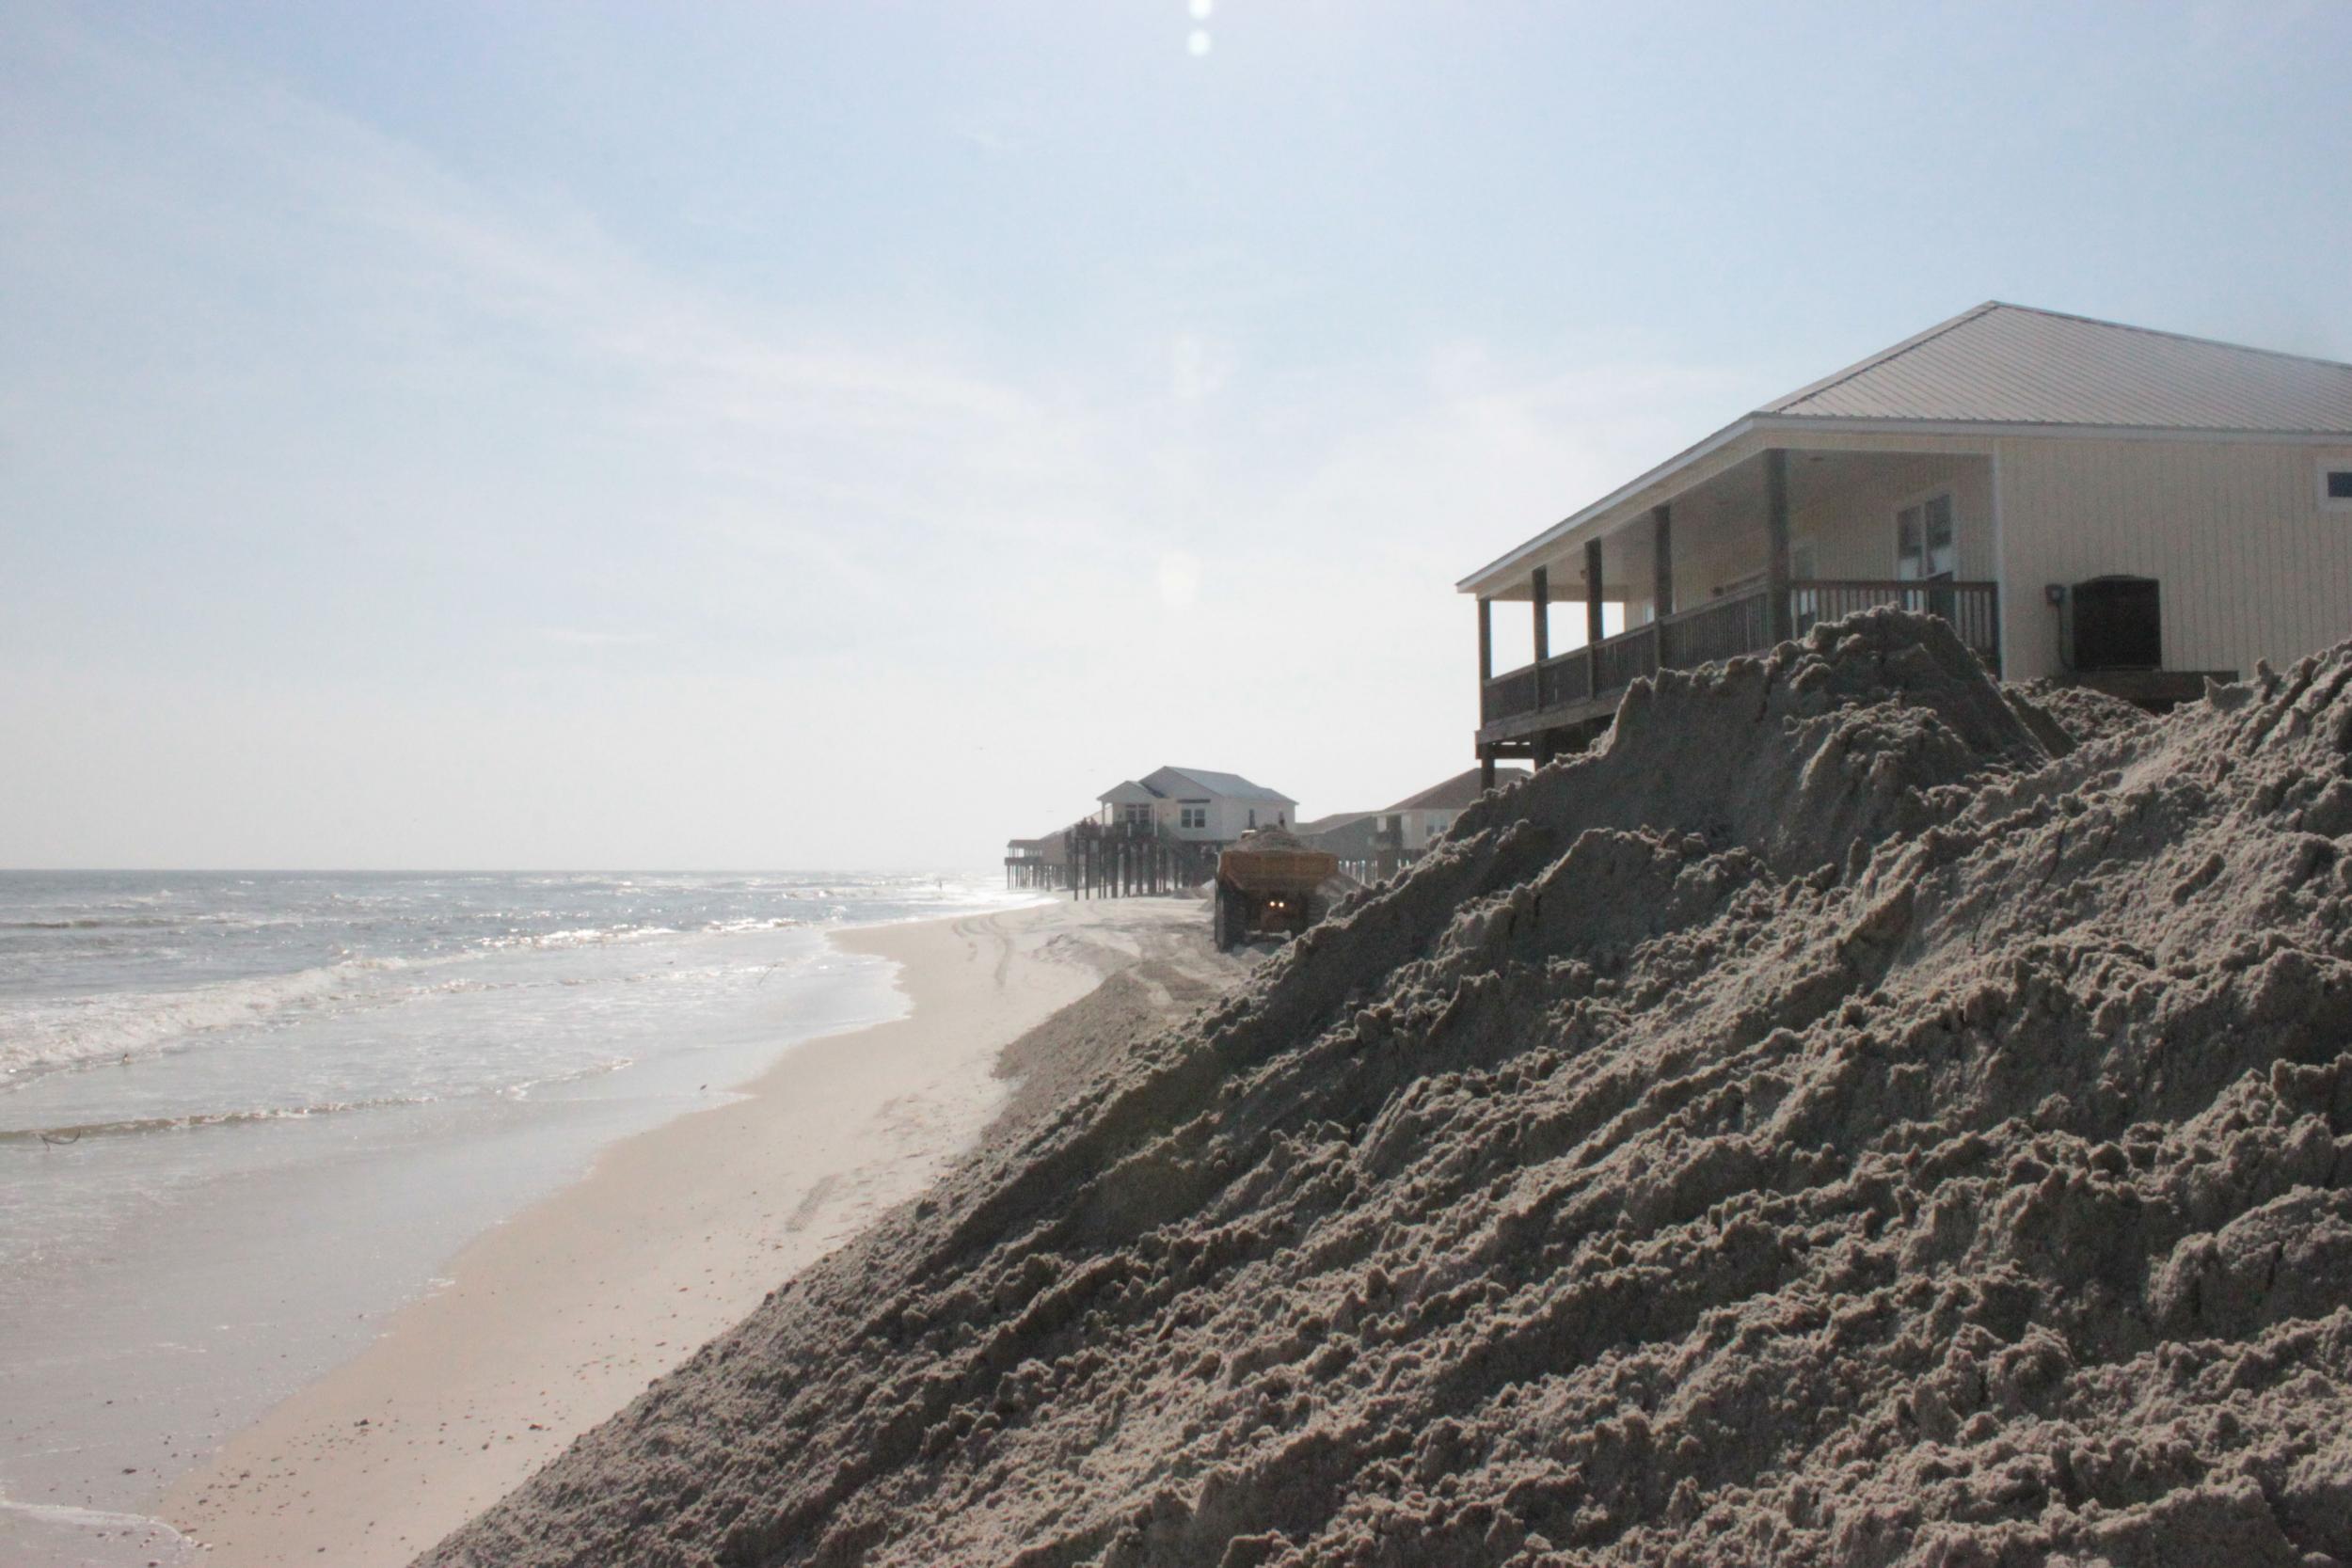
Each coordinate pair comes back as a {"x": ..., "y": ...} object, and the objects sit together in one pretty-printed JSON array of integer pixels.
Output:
[
  {"x": 1925, "y": 541},
  {"x": 1137, "y": 814},
  {"x": 1253, "y": 816},
  {"x": 2335, "y": 485},
  {"x": 1192, "y": 817}
]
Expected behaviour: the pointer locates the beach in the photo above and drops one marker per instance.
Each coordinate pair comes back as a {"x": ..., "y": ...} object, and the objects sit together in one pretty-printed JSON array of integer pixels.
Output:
[
  {"x": 1858, "y": 1114},
  {"x": 556, "y": 1319}
]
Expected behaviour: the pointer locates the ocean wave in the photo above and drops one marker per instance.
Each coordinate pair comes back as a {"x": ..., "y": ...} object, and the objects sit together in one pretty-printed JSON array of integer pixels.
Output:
[
  {"x": 59, "y": 1533},
  {"x": 600, "y": 936},
  {"x": 44, "y": 1034},
  {"x": 78, "y": 1031},
  {"x": 149, "y": 922},
  {"x": 583, "y": 936},
  {"x": 196, "y": 1121},
  {"x": 589, "y": 1069},
  {"x": 73, "y": 1133}
]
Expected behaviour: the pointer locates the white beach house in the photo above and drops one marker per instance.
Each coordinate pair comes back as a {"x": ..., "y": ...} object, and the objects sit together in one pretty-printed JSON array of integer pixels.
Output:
[
  {"x": 2106, "y": 503},
  {"x": 1195, "y": 804}
]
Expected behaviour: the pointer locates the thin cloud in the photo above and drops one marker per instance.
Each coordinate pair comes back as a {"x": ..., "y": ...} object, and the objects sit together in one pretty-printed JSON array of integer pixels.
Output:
[
  {"x": 855, "y": 524},
  {"x": 572, "y": 638}
]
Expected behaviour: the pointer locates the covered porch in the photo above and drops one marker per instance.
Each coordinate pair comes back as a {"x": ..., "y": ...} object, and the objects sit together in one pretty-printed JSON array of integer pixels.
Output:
[{"x": 1729, "y": 555}]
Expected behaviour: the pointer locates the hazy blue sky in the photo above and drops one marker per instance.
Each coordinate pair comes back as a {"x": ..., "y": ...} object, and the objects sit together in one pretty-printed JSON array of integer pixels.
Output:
[{"x": 847, "y": 435}]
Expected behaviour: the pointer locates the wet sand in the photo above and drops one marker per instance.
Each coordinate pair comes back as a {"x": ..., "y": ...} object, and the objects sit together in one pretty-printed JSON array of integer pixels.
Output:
[{"x": 557, "y": 1319}]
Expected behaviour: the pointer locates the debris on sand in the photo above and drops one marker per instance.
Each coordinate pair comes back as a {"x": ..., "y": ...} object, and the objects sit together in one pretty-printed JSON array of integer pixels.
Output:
[{"x": 1856, "y": 1116}]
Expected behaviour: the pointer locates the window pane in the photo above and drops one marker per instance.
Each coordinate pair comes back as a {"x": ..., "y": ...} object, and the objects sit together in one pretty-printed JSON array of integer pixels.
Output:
[
  {"x": 2340, "y": 485},
  {"x": 1940, "y": 523}
]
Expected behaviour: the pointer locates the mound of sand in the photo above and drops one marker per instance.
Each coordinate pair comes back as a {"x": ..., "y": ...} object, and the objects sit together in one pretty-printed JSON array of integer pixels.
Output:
[{"x": 1852, "y": 1119}]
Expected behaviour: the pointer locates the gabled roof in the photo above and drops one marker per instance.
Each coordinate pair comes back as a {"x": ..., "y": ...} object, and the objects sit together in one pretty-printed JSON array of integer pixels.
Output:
[
  {"x": 1168, "y": 781},
  {"x": 2011, "y": 364},
  {"x": 1457, "y": 792},
  {"x": 1349, "y": 835},
  {"x": 2004, "y": 367},
  {"x": 1333, "y": 823},
  {"x": 1128, "y": 793}
]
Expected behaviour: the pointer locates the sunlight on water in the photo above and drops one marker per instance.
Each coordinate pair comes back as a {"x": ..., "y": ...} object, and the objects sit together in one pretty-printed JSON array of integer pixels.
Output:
[{"x": 205, "y": 1077}]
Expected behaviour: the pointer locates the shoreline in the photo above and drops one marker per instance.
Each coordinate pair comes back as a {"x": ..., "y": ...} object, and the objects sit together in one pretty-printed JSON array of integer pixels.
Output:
[{"x": 559, "y": 1317}]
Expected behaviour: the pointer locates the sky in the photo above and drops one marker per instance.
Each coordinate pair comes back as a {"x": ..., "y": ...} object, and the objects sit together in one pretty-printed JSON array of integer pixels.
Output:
[{"x": 846, "y": 436}]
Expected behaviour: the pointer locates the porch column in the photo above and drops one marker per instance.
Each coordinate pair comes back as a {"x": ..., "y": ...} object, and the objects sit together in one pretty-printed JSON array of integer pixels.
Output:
[
  {"x": 1592, "y": 591},
  {"x": 1485, "y": 770},
  {"x": 1485, "y": 640},
  {"x": 1661, "y": 544},
  {"x": 1542, "y": 596},
  {"x": 1777, "y": 624}
]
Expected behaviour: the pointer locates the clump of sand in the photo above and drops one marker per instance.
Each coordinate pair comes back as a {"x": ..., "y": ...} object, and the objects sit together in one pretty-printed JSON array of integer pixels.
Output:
[{"x": 1852, "y": 1118}]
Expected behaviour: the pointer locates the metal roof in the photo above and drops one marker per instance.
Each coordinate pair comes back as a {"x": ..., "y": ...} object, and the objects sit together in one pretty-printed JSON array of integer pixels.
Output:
[
  {"x": 1232, "y": 786},
  {"x": 1333, "y": 823},
  {"x": 2013, "y": 367},
  {"x": 2011, "y": 364},
  {"x": 1457, "y": 792},
  {"x": 1128, "y": 792}
]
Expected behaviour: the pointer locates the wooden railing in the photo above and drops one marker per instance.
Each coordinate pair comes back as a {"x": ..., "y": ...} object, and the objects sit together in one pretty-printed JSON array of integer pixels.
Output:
[
  {"x": 1567, "y": 678},
  {"x": 1973, "y": 609},
  {"x": 1520, "y": 691},
  {"x": 1726, "y": 627},
  {"x": 1714, "y": 631}
]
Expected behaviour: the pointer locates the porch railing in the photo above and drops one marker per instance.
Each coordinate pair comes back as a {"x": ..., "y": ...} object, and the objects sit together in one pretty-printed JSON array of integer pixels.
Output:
[
  {"x": 1974, "y": 608},
  {"x": 1726, "y": 627},
  {"x": 1714, "y": 631}
]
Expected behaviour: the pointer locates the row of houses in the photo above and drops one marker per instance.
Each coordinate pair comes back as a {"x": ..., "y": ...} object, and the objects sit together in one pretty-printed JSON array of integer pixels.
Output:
[
  {"x": 2083, "y": 501},
  {"x": 1191, "y": 812},
  {"x": 1196, "y": 808}
]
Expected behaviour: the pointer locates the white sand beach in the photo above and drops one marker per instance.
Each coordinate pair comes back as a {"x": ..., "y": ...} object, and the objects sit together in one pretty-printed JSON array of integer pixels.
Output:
[{"x": 555, "y": 1320}]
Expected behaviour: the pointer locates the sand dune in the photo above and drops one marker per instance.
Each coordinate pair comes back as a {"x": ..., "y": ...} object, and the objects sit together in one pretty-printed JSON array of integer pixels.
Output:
[{"x": 1844, "y": 1120}]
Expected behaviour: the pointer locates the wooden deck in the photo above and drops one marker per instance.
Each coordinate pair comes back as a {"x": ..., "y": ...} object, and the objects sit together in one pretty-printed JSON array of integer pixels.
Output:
[{"x": 1580, "y": 689}]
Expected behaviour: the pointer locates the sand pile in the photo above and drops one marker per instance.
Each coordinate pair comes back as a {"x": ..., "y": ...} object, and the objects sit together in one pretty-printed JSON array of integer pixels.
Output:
[{"x": 1848, "y": 1119}]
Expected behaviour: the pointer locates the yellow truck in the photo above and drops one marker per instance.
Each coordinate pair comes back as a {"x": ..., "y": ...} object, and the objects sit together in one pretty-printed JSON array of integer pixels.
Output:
[{"x": 1269, "y": 885}]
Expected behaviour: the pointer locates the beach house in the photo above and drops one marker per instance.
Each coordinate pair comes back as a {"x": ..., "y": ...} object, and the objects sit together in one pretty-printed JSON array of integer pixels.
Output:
[
  {"x": 1372, "y": 844},
  {"x": 1195, "y": 805},
  {"x": 1042, "y": 861},
  {"x": 2125, "y": 508}
]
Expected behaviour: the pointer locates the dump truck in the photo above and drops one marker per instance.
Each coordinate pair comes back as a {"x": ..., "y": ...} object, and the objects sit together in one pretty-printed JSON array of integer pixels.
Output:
[{"x": 1269, "y": 884}]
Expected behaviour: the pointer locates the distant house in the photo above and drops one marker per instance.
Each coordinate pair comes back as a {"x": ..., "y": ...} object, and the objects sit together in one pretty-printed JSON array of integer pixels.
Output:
[
  {"x": 1195, "y": 805},
  {"x": 1349, "y": 835},
  {"x": 1374, "y": 843},
  {"x": 1037, "y": 863},
  {"x": 2079, "y": 498},
  {"x": 1423, "y": 816}
]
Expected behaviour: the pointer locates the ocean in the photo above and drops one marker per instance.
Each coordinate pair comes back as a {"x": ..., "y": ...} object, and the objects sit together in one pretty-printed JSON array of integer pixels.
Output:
[{"x": 243, "y": 1116}]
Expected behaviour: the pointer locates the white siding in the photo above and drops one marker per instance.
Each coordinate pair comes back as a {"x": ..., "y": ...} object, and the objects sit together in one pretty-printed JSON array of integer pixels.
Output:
[
  {"x": 1172, "y": 816},
  {"x": 1424, "y": 823},
  {"x": 2251, "y": 566},
  {"x": 1845, "y": 506},
  {"x": 1235, "y": 815}
]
